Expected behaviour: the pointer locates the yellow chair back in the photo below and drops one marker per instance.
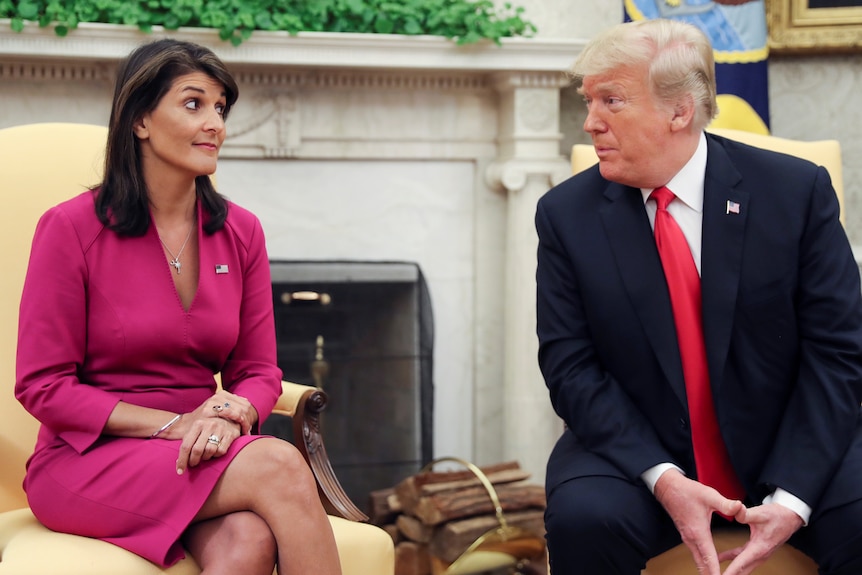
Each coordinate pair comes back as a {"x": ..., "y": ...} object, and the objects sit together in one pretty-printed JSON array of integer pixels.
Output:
[
  {"x": 37, "y": 162},
  {"x": 737, "y": 114}
]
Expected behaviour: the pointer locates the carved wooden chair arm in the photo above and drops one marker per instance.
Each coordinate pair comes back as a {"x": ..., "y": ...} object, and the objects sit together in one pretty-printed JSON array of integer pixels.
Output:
[{"x": 303, "y": 404}]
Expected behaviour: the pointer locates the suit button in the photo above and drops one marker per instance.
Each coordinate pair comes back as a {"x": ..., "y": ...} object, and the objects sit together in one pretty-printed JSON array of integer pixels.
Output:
[{"x": 683, "y": 424}]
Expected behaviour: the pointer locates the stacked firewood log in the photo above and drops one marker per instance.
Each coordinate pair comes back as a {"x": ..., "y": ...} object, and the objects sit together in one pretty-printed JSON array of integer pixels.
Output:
[{"x": 433, "y": 517}]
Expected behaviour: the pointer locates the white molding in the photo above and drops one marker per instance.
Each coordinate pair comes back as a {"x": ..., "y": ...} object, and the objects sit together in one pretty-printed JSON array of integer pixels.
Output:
[{"x": 92, "y": 41}]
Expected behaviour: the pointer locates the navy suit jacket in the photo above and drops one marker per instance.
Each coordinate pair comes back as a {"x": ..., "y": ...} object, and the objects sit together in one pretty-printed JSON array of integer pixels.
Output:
[{"x": 782, "y": 318}]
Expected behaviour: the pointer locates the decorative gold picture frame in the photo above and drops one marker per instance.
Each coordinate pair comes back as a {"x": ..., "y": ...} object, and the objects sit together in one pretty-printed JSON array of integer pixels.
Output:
[{"x": 814, "y": 26}]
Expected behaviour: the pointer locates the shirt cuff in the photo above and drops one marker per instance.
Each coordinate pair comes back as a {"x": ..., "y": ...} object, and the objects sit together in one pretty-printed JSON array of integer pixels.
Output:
[
  {"x": 790, "y": 501},
  {"x": 651, "y": 475}
]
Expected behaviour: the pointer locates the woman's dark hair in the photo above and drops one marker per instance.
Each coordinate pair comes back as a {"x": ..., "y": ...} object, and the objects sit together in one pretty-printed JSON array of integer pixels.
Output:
[{"x": 143, "y": 78}]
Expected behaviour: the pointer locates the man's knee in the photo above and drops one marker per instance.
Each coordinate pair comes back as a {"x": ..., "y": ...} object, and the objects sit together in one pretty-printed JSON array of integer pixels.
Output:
[
  {"x": 834, "y": 540},
  {"x": 575, "y": 514},
  {"x": 604, "y": 525}
]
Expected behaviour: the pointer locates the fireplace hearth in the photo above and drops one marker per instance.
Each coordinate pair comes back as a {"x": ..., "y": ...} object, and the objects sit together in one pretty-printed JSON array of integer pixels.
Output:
[{"x": 363, "y": 332}]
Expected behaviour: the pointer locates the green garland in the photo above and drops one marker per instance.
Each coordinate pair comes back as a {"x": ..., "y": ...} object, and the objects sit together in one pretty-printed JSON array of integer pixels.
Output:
[{"x": 466, "y": 21}]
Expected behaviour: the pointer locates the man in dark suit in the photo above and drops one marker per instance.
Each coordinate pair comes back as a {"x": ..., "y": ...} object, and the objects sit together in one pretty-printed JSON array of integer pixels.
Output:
[{"x": 780, "y": 321}]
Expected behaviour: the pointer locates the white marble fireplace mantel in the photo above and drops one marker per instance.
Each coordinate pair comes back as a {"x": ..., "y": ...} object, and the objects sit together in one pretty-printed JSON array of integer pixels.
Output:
[{"x": 376, "y": 147}]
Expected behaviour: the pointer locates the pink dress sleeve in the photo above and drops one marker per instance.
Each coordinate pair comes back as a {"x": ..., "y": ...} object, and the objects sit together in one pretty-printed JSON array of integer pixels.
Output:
[
  {"x": 52, "y": 335},
  {"x": 251, "y": 369}
]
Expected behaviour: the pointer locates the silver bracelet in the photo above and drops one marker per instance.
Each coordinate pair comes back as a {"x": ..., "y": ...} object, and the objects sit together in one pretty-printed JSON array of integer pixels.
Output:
[{"x": 167, "y": 425}]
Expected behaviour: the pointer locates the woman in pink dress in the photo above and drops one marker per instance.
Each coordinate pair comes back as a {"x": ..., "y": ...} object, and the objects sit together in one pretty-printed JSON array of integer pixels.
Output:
[{"x": 137, "y": 293}]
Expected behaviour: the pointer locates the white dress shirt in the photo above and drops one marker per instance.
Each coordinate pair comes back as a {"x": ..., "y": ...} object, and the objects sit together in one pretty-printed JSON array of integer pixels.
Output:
[{"x": 687, "y": 210}]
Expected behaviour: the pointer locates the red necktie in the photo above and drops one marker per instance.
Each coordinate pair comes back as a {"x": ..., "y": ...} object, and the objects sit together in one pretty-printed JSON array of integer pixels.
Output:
[{"x": 710, "y": 453}]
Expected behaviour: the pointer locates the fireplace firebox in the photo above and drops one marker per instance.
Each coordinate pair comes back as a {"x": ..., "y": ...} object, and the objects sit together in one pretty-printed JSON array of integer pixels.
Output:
[{"x": 362, "y": 331}]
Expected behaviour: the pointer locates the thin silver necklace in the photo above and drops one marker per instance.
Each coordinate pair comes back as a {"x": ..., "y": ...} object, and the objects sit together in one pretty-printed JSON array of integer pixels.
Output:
[{"x": 175, "y": 262}]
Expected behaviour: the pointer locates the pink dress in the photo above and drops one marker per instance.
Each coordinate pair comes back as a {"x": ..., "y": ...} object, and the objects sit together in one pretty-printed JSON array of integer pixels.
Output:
[{"x": 101, "y": 322}]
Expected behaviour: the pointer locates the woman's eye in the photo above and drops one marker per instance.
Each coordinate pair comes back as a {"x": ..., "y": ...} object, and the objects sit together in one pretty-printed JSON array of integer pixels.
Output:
[
  {"x": 220, "y": 109},
  {"x": 192, "y": 104}
]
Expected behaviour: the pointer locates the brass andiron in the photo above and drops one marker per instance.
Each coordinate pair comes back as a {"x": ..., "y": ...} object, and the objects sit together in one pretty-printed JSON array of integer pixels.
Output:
[{"x": 319, "y": 367}]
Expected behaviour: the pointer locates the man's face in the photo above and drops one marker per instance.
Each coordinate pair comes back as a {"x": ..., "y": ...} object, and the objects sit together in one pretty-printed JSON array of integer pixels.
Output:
[{"x": 630, "y": 128}]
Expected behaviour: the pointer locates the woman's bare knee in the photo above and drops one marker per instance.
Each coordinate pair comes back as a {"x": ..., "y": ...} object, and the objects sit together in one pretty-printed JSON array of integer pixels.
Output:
[
  {"x": 278, "y": 464},
  {"x": 268, "y": 473},
  {"x": 270, "y": 478},
  {"x": 238, "y": 542}
]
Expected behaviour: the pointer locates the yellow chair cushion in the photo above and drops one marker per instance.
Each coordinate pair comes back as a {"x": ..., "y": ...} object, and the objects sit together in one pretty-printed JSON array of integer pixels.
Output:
[
  {"x": 364, "y": 549},
  {"x": 29, "y": 548}
]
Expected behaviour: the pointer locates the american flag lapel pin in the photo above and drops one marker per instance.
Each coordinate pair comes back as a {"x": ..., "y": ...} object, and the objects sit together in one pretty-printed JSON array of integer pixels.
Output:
[
  {"x": 732, "y": 207},
  {"x": 221, "y": 268}
]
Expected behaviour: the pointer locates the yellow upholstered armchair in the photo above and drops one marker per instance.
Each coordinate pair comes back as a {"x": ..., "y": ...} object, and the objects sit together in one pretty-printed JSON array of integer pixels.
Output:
[
  {"x": 40, "y": 166},
  {"x": 827, "y": 153}
]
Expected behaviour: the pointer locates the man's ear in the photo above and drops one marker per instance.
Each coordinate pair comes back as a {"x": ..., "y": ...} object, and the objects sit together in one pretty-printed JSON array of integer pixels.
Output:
[{"x": 683, "y": 114}]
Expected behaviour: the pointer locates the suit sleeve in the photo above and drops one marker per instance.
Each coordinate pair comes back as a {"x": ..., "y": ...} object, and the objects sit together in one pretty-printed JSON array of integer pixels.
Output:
[
  {"x": 52, "y": 337},
  {"x": 251, "y": 370},
  {"x": 822, "y": 414},
  {"x": 594, "y": 406}
]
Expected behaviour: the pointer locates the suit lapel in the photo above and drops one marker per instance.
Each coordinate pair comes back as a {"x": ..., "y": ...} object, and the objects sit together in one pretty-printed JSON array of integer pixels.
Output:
[
  {"x": 632, "y": 242},
  {"x": 723, "y": 237}
]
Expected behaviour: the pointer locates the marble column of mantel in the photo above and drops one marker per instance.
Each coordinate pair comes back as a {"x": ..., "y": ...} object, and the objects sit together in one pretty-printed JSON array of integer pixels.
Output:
[{"x": 365, "y": 96}]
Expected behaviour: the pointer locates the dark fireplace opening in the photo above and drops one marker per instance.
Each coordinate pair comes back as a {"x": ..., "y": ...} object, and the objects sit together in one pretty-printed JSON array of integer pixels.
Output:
[{"x": 362, "y": 331}]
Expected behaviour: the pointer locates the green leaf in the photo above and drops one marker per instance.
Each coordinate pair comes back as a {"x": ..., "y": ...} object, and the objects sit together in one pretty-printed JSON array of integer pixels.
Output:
[
  {"x": 171, "y": 22},
  {"x": 28, "y": 10},
  {"x": 412, "y": 27},
  {"x": 470, "y": 37},
  {"x": 355, "y": 6},
  {"x": 263, "y": 20},
  {"x": 7, "y": 8},
  {"x": 383, "y": 25}
]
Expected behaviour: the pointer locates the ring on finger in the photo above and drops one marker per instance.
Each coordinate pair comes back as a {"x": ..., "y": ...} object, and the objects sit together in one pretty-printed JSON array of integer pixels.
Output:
[{"x": 214, "y": 439}]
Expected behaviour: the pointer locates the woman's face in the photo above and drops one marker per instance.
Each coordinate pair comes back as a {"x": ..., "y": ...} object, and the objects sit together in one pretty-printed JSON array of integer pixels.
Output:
[{"x": 183, "y": 134}]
